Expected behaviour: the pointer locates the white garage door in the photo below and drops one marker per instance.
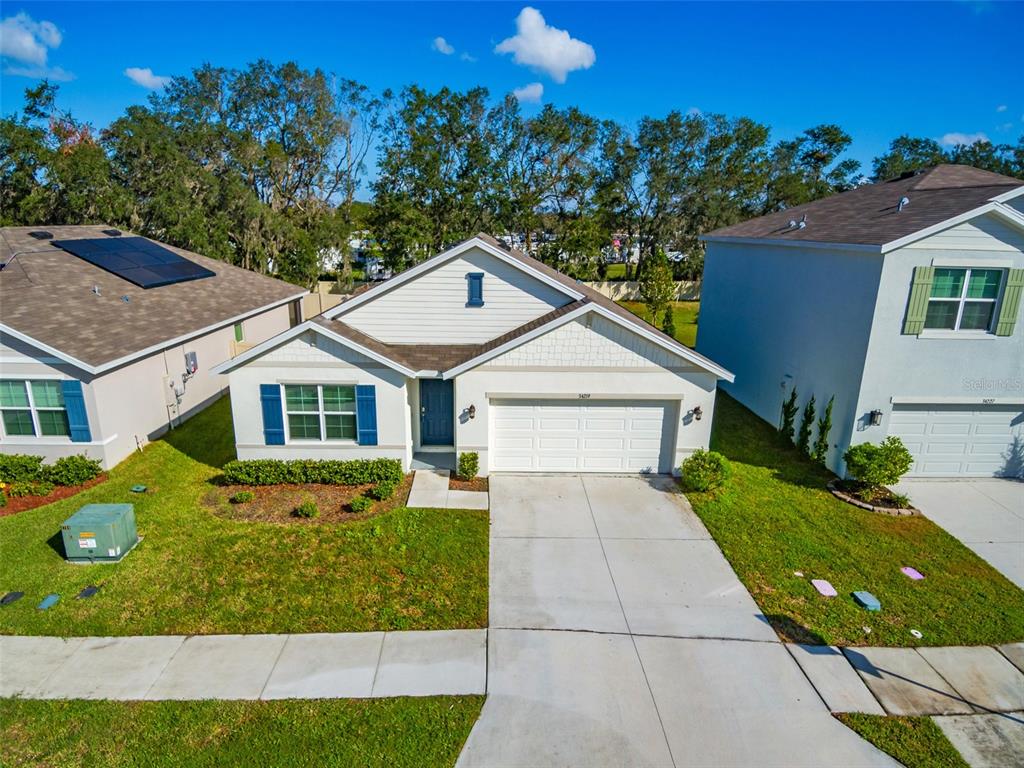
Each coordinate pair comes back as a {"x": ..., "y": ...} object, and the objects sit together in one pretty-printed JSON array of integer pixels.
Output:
[
  {"x": 572, "y": 436},
  {"x": 961, "y": 441}
]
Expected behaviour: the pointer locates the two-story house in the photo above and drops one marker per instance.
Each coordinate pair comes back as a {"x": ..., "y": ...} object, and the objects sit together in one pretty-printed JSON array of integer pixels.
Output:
[
  {"x": 478, "y": 349},
  {"x": 900, "y": 299}
]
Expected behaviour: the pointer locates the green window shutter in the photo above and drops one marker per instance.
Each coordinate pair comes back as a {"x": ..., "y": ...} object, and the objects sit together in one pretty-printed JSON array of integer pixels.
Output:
[
  {"x": 1011, "y": 302},
  {"x": 917, "y": 307}
]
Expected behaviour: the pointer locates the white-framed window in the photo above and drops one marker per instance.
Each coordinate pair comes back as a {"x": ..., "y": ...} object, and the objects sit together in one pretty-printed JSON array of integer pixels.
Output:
[
  {"x": 33, "y": 408},
  {"x": 320, "y": 411},
  {"x": 963, "y": 299}
]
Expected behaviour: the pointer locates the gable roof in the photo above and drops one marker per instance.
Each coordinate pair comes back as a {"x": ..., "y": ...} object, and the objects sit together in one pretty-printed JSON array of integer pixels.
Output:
[
  {"x": 869, "y": 215},
  {"x": 49, "y": 301},
  {"x": 447, "y": 360}
]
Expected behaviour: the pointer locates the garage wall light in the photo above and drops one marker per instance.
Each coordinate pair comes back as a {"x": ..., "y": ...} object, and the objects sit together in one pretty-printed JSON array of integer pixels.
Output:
[
  {"x": 876, "y": 418},
  {"x": 697, "y": 413},
  {"x": 471, "y": 411}
]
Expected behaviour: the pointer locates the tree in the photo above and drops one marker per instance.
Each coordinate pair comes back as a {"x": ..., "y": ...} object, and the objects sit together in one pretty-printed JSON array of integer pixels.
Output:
[
  {"x": 808, "y": 168},
  {"x": 789, "y": 411},
  {"x": 803, "y": 441},
  {"x": 907, "y": 153},
  {"x": 657, "y": 287},
  {"x": 821, "y": 444}
]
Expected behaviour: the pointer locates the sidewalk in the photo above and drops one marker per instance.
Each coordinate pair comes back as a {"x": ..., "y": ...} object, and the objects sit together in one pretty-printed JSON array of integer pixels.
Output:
[
  {"x": 314, "y": 666},
  {"x": 430, "y": 491}
]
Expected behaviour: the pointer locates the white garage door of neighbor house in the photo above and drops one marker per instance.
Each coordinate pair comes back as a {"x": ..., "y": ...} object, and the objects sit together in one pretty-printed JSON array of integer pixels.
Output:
[
  {"x": 587, "y": 436},
  {"x": 961, "y": 441}
]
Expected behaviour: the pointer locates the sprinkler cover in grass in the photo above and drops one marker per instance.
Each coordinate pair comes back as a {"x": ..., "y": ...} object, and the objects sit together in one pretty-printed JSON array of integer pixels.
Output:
[
  {"x": 11, "y": 597},
  {"x": 138, "y": 489},
  {"x": 87, "y": 592},
  {"x": 48, "y": 602}
]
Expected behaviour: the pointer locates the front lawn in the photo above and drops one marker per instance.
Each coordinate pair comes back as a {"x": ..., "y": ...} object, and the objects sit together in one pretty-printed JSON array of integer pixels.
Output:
[
  {"x": 917, "y": 742},
  {"x": 774, "y": 517},
  {"x": 356, "y": 732},
  {"x": 198, "y": 573},
  {"x": 684, "y": 315}
]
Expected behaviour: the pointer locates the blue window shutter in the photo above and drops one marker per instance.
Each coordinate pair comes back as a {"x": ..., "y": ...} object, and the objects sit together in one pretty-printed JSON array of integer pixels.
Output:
[
  {"x": 476, "y": 289},
  {"x": 366, "y": 413},
  {"x": 273, "y": 416},
  {"x": 78, "y": 419}
]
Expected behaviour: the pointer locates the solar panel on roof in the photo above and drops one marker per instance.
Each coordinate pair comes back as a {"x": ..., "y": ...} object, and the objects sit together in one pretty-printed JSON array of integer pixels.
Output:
[{"x": 136, "y": 259}]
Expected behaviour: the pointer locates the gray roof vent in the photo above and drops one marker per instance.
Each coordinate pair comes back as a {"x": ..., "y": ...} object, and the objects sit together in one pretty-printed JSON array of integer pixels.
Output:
[
  {"x": 96, "y": 290},
  {"x": 41, "y": 234},
  {"x": 111, "y": 232},
  {"x": 903, "y": 203}
]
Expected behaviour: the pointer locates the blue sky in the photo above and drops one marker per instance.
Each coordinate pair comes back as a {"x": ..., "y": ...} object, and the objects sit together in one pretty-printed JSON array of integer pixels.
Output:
[{"x": 876, "y": 69}]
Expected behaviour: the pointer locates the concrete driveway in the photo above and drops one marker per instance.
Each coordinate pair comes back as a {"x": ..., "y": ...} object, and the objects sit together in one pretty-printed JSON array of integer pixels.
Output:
[
  {"x": 620, "y": 636},
  {"x": 986, "y": 515}
]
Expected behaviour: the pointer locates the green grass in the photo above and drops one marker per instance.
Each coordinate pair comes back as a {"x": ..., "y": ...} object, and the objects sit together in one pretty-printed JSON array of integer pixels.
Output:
[
  {"x": 774, "y": 517},
  {"x": 917, "y": 742},
  {"x": 197, "y": 573},
  {"x": 684, "y": 314},
  {"x": 358, "y": 732},
  {"x": 616, "y": 272}
]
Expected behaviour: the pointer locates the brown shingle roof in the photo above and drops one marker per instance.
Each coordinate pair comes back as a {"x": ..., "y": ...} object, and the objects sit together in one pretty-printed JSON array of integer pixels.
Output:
[
  {"x": 868, "y": 215},
  {"x": 47, "y": 295}
]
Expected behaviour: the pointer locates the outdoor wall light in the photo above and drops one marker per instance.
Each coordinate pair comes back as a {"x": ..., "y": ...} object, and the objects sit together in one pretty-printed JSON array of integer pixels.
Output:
[
  {"x": 472, "y": 411},
  {"x": 697, "y": 413},
  {"x": 876, "y": 418}
]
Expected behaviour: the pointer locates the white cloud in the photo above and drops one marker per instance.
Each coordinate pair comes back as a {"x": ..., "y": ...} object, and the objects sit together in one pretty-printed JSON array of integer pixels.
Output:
[
  {"x": 529, "y": 94},
  {"x": 955, "y": 138},
  {"x": 545, "y": 48},
  {"x": 1001, "y": 108},
  {"x": 467, "y": 57},
  {"x": 443, "y": 46},
  {"x": 144, "y": 76},
  {"x": 26, "y": 40},
  {"x": 38, "y": 73}
]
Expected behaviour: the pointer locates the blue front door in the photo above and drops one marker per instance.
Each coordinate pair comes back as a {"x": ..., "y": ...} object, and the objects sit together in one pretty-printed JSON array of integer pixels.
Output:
[{"x": 437, "y": 415}]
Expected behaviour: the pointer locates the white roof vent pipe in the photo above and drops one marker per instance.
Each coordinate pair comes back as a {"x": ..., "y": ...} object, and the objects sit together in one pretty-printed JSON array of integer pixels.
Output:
[{"x": 903, "y": 203}]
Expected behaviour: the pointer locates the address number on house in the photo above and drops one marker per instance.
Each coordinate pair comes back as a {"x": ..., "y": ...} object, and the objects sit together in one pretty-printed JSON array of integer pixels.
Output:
[{"x": 584, "y": 395}]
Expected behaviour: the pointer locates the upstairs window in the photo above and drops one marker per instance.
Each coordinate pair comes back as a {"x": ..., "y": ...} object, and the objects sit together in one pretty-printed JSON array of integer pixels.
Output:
[
  {"x": 475, "y": 281},
  {"x": 320, "y": 411},
  {"x": 33, "y": 408},
  {"x": 963, "y": 299}
]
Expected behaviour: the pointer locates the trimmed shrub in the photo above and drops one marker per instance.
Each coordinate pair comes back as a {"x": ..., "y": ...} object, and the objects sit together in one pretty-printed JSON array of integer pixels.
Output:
[
  {"x": 803, "y": 440},
  {"x": 877, "y": 465},
  {"x": 360, "y": 504},
  {"x": 381, "y": 491},
  {"x": 301, "y": 471},
  {"x": 789, "y": 409},
  {"x": 242, "y": 497},
  {"x": 307, "y": 509},
  {"x": 820, "y": 452},
  {"x": 19, "y": 467},
  {"x": 704, "y": 470},
  {"x": 469, "y": 465},
  {"x": 29, "y": 488},
  {"x": 72, "y": 470}
]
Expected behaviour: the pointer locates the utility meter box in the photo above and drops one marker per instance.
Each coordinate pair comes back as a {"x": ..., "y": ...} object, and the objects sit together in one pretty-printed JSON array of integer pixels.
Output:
[{"x": 100, "y": 533}]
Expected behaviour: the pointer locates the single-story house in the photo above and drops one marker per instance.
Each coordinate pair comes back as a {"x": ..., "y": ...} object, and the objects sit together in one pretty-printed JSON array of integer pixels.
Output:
[
  {"x": 478, "y": 349},
  {"x": 900, "y": 299},
  {"x": 106, "y": 338}
]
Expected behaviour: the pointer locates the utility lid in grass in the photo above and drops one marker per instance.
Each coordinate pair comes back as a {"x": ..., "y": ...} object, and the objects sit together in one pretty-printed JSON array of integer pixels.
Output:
[
  {"x": 11, "y": 597},
  {"x": 48, "y": 602},
  {"x": 87, "y": 592}
]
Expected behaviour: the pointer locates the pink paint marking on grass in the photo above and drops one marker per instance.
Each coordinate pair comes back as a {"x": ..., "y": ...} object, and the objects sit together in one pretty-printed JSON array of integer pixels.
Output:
[
  {"x": 824, "y": 587},
  {"x": 911, "y": 572}
]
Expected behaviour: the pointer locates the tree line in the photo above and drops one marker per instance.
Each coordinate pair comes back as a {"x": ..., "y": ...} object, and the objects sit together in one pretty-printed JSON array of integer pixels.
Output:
[{"x": 260, "y": 167}]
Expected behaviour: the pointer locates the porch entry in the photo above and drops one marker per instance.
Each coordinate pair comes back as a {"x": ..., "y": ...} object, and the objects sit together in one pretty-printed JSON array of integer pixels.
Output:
[{"x": 437, "y": 411}]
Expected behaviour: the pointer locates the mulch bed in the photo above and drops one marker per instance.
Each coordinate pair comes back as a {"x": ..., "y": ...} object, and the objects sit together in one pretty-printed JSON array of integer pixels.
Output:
[
  {"x": 476, "y": 484},
  {"x": 275, "y": 503},
  {"x": 851, "y": 492},
  {"x": 23, "y": 503}
]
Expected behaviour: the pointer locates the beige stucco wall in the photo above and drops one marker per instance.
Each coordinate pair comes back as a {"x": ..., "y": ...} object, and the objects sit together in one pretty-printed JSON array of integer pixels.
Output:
[{"x": 131, "y": 405}]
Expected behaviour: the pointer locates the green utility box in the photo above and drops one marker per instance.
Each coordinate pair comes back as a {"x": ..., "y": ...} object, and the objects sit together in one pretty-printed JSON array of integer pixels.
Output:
[{"x": 100, "y": 533}]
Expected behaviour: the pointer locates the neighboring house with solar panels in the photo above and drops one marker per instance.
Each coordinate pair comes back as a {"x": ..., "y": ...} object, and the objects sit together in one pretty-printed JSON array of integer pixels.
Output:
[
  {"x": 107, "y": 339},
  {"x": 478, "y": 349},
  {"x": 902, "y": 299}
]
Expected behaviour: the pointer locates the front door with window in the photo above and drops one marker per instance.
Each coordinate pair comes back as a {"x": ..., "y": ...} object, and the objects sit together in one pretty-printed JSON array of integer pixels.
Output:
[{"x": 437, "y": 420}]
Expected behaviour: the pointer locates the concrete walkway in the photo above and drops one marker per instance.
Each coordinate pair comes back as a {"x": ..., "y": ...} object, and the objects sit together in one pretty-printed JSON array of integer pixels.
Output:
[
  {"x": 986, "y": 515},
  {"x": 348, "y": 665},
  {"x": 430, "y": 491},
  {"x": 621, "y": 636}
]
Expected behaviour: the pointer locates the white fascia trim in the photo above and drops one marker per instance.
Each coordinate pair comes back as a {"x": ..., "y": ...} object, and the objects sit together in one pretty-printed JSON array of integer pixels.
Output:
[
  {"x": 1003, "y": 211},
  {"x": 680, "y": 351},
  {"x": 438, "y": 260},
  {"x": 260, "y": 349},
  {"x": 111, "y": 364},
  {"x": 813, "y": 244}
]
